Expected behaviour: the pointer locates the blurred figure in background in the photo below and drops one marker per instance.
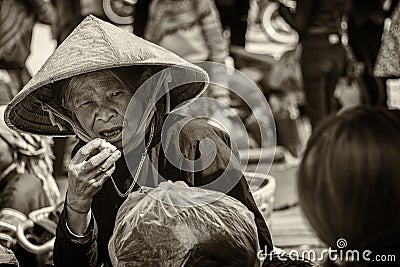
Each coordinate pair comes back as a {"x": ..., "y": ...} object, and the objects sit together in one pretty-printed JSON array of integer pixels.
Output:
[
  {"x": 323, "y": 57},
  {"x": 388, "y": 62},
  {"x": 68, "y": 17},
  {"x": 350, "y": 170},
  {"x": 17, "y": 18},
  {"x": 26, "y": 183},
  {"x": 233, "y": 15},
  {"x": 72, "y": 12},
  {"x": 366, "y": 25},
  {"x": 190, "y": 28}
]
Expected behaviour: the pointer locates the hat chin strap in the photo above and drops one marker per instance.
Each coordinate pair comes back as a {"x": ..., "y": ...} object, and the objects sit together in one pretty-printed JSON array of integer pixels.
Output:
[{"x": 167, "y": 80}]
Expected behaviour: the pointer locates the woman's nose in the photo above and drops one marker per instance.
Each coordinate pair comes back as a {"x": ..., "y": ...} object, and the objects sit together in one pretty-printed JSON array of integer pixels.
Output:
[{"x": 105, "y": 113}]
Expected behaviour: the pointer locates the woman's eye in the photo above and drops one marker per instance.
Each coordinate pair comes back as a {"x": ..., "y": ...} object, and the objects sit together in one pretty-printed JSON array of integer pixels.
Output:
[
  {"x": 116, "y": 93},
  {"x": 85, "y": 104}
]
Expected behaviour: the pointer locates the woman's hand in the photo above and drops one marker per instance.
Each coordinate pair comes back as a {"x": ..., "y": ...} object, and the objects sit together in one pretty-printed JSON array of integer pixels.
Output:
[{"x": 92, "y": 165}]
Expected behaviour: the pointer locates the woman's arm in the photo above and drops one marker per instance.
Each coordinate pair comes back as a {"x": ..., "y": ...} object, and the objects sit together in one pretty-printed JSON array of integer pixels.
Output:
[
  {"x": 76, "y": 234},
  {"x": 72, "y": 250}
]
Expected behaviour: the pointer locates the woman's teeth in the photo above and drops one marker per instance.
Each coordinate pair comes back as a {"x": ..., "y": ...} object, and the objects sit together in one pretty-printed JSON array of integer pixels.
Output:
[{"x": 110, "y": 134}]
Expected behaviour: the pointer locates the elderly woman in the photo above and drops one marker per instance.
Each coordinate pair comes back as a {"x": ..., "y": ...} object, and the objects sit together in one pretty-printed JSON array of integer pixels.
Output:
[
  {"x": 90, "y": 87},
  {"x": 26, "y": 184}
]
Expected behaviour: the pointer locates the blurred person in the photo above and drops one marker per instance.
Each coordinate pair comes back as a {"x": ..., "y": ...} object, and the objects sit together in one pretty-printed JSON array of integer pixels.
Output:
[
  {"x": 349, "y": 186},
  {"x": 323, "y": 58},
  {"x": 192, "y": 30},
  {"x": 388, "y": 61},
  {"x": 72, "y": 12},
  {"x": 69, "y": 16},
  {"x": 87, "y": 94},
  {"x": 189, "y": 28},
  {"x": 366, "y": 25},
  {"x": 17, "y": 18},
  {"x": 26, "y": 183},
  {"x": 233, "y": 15}
]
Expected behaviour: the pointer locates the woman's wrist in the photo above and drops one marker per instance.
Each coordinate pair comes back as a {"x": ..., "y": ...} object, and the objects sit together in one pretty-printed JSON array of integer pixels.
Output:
[
  {"x": 78, "y": 210},
  {"x": 77, "y": 205},
  {"x": 78, "y": 218}
]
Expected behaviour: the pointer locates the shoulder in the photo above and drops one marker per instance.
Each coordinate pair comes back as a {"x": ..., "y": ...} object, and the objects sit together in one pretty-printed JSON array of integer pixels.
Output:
[{"x": 195, "y": 129}]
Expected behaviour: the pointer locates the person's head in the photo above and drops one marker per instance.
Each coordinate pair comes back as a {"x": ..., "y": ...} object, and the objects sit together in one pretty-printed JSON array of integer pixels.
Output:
[
  {"x": 97, "y": 101},
  {"x": 25, "y": 153},
  {"x": 349, "y": 179}
]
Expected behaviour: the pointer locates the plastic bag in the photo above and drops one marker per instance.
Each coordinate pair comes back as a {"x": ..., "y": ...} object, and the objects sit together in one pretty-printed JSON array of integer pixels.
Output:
[{"x": 183, "y": 226}]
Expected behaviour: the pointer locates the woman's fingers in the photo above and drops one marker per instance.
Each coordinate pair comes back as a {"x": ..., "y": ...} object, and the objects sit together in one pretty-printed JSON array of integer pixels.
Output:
[
  {"x": 85, "y": 151},
  {"x": 105, "y": 165},
  {"x": 99, "y": 180},
  {"x": 89, "y": 169},
  {"x": 110, "y": 161},
  {"x": 97, "y": 159}
]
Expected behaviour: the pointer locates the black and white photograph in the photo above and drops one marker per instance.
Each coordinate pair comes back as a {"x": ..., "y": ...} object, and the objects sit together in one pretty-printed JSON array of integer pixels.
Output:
[{"x": 196, "y": 133}]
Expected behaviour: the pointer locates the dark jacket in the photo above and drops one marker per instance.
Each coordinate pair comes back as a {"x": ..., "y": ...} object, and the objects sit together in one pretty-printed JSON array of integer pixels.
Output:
[
  {"x": 315, "y": 18},
  {"x": 93, "y": 250}
]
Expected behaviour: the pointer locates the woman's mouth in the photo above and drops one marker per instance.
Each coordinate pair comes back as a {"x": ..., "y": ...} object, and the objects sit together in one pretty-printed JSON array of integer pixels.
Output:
[{"x": 111, "y": 135}]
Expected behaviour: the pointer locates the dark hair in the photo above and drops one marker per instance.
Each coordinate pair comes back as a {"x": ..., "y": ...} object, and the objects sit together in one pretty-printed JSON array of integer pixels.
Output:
[{"x": 349, "y": 179}]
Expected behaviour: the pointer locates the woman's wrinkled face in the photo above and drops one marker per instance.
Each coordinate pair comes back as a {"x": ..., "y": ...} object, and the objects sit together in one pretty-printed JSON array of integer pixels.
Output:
[{"x": 99, "y": 103}]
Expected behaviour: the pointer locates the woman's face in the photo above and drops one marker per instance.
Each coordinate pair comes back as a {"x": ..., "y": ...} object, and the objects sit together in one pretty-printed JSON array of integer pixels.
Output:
[{"x": 99, "y": 104}]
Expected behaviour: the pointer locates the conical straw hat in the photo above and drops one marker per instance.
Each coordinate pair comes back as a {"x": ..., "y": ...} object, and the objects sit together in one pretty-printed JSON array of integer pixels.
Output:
[{"x": 94, "y": 45}]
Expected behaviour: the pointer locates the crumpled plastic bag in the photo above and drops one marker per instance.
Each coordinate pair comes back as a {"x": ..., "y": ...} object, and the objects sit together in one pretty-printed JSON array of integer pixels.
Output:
[{"x": 183, "y": 226}]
